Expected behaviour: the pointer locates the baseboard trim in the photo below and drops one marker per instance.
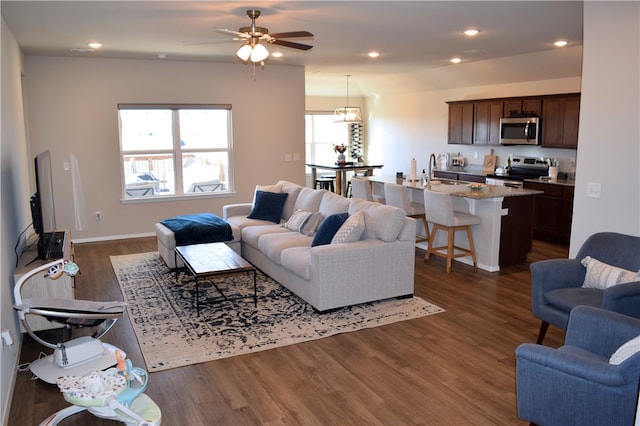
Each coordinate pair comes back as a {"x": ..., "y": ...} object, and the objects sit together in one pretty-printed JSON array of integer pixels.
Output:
[{"x": 111, "y": 237}]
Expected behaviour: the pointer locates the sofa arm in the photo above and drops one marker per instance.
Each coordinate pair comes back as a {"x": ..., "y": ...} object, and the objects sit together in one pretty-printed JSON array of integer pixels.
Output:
[
  {"x": 345, "y": 270},
  {"x": 600, "y": 331},
  {"x": 554, "y": 274},
  {"x": 543, "y": 360},
  {"x": 623, "y": 298},
  {"x": 242, "y": 209}
]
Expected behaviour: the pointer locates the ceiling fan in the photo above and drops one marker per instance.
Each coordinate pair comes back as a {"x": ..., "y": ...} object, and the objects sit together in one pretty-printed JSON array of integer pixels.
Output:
[{"x": 253, "y": 37}]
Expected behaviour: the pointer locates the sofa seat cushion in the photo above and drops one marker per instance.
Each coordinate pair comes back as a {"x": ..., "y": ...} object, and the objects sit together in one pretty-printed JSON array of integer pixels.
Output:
[
  {"x": 297, "y": 260},
  {"x": 568, "y": 298},
  {"x": 251, "y": 234},
  {"x": 273, "y": 244},
  {"x": 242, "y": 222},
  {"x": 382, "y": 222}
]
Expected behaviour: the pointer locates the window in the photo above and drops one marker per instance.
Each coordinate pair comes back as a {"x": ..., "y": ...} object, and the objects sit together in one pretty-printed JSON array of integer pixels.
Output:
[
  {"x": 175, "y": 150},
  {"x": 321, "y": 134}
]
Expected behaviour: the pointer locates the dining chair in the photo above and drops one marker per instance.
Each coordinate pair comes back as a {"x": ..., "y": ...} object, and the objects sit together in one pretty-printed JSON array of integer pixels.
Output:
[
  {"x": 398, "y": 196},
  {"x": 439, "y": 211},
  {"x": 361, "y": 188}
]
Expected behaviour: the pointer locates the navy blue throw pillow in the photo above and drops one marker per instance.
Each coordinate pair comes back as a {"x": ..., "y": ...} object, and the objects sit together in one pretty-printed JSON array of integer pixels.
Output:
[
  {"x": 328, "y": 229},
  {"x": 268, "y": 206}
]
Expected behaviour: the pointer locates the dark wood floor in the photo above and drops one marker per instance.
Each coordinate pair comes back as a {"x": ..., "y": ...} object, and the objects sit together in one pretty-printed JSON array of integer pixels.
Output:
[{"x": 454, "y": 368}]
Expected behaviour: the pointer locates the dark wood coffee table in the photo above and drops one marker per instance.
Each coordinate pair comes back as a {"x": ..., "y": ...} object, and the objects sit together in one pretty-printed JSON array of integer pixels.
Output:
[{"x": 208, "y": 260}]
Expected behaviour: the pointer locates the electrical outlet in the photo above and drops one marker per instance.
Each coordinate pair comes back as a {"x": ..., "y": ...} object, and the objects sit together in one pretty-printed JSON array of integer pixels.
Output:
[
  {"x": 594, "y": 190},
  {"x": 98, "y": 216}
]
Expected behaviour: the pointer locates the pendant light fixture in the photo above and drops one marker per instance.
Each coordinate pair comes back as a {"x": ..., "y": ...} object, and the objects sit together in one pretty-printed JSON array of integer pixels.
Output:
[{"x": 347, "y": 114}]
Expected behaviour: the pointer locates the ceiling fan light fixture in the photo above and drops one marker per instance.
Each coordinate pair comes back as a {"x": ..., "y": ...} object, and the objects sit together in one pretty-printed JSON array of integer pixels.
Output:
[
  {"x": 347, "y": 114},
  {"x": 259, "y": 53},
  {"x": 244, "y": 52}
]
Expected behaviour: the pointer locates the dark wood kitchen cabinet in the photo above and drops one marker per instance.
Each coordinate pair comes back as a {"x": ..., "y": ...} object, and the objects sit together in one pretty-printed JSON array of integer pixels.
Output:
[
  {"x": 486, "y": 122},
  {"x": 553, "y": 212},
  {"x": 466, "y": 177},
  {"x": 461, "y": 123},
  {"x": 518, "y": 107},
  {"x": 560, "y": 119}
]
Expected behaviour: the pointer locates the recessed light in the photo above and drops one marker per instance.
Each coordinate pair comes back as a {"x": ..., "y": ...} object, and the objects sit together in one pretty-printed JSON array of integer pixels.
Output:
[
  {"x": 373, "y": 54},
  {"x": 95, "y": 45},
  {"x": 561, "y": 43},
  {"x": 456, "y": 60},
  {"x": 471, "y": 32},
  {"x": 277, "y": 54}
]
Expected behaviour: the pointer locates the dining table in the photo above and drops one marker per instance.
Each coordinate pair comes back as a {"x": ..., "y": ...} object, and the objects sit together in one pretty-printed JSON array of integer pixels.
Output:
[{"x": 341, "y": 172}]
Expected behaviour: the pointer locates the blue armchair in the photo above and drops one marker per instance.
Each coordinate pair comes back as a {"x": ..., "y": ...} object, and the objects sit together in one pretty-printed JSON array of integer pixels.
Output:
[
  {"x": 556, "y": 284},
  {"x": 575, "y": 384}
]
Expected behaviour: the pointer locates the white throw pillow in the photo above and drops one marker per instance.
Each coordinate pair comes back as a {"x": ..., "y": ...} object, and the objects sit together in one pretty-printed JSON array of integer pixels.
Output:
[
  {"x": 277, "y": 188},
  {"x": 297, "y": 220},
  {"x": 600, "y": 275},
  {"x": 310, "y": 226},
  {"x": 625, "y": 351},
  {"x": 351, "y": 230}
]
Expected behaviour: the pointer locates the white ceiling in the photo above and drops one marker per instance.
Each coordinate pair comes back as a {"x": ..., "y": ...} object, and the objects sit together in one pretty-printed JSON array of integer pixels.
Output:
[{"x": 416, "y": 39}]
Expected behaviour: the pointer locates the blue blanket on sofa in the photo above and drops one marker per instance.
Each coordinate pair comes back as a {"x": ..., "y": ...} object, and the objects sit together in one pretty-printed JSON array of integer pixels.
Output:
[{"x": 198, "y": 228}]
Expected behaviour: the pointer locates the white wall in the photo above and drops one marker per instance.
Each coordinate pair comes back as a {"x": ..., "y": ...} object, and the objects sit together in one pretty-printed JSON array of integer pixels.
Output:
[
  {"x": 609, "y": 139},
  {"x": 15, "y": 212},
  {"x": 73, "y": 112}
]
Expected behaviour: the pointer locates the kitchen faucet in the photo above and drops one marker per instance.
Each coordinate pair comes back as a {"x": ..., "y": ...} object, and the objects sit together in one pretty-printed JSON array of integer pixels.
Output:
[{"x": 432, "y": 164}]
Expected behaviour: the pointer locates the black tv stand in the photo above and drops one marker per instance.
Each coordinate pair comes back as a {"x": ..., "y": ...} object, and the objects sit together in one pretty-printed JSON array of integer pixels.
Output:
[{"x": 51, "y": 245}]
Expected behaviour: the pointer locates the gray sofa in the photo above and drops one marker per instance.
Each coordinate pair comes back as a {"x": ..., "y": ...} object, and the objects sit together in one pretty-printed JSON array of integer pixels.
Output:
[{"x": 379, "y": 265}]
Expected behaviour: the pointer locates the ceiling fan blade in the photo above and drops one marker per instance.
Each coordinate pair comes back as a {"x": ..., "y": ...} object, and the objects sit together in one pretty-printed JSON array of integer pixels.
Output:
[
  {"x": 232, "y": 32},
  {"x": 292, "y": 34},
  {"x": 292, "y": 44},
  {"x": 220, "y": 40}
]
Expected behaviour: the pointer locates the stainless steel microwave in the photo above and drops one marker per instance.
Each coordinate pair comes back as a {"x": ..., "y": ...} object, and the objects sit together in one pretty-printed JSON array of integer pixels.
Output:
[{"x": 520, "y": 131}]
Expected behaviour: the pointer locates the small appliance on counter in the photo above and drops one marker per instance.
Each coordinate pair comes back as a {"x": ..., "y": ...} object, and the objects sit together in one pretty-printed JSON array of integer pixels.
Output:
[
  {"x": 457, "y": 161},
  {"x": 442, "y": 162}
]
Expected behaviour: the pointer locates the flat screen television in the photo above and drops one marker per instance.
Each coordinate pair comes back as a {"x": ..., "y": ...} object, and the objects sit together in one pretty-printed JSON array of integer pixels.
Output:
[{"x": 50, "y": 242}]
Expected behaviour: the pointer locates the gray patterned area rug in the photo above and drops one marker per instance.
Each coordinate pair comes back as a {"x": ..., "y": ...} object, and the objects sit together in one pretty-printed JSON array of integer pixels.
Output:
[{"x": 163, "y": 314}]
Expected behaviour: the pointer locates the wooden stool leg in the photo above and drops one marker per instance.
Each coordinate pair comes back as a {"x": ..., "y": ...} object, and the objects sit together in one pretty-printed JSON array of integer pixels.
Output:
[
  {"x": 426, "y": 228},
  {"x": 432, "y": 238},
  {"x": 452, "y": 236},
  {"x": 472, "y": 246}
]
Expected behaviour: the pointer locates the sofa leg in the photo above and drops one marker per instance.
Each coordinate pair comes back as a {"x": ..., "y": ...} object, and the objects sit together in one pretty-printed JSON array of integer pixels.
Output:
[{"x": 543, "y": 330}]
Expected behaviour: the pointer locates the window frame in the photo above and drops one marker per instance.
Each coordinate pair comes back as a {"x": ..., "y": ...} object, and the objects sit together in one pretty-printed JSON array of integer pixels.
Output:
[{"x": 177, "y": 152}]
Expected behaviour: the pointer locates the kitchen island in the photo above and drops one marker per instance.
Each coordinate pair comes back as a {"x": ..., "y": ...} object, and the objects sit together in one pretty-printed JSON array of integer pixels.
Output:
[{"x": 505, "y": 233}]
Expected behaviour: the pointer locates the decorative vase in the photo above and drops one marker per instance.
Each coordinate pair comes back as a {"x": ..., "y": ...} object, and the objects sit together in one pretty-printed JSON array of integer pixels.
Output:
[{"x": 341, "y": 159}]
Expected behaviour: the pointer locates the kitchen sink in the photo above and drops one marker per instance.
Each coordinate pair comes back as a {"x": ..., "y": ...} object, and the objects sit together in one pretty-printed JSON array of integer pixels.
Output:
[{"x": 445, "y": 181}]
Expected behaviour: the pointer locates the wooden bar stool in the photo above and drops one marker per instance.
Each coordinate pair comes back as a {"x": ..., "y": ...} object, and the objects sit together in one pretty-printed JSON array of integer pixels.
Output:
[
  {"x": 326, "y": 182},
  {"x": 398, "y": 196},
  {"x": 439, "y": 211}
]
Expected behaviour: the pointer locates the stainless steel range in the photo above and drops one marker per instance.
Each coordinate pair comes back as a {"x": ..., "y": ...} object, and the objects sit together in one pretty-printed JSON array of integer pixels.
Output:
[{"x": 521, "y": 168}]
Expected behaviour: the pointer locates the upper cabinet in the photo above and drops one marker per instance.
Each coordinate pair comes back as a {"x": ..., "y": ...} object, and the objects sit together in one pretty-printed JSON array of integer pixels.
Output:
[
  {"x": 560, "y": 117},
  {"x": 519, "y": 107},
  {"x": 486, "y": 122},
  {"x": 461, "y": 122},
  {"x": 478, "y": 121}
]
